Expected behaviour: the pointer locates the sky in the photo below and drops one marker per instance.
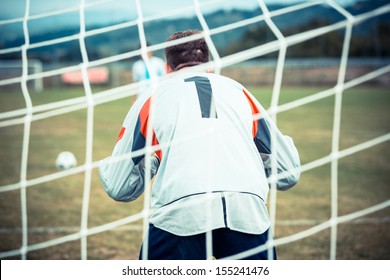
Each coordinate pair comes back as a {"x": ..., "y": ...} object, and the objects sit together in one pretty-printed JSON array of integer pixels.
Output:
[
  {"x": 48, "y": 15},
  {"x": 109, "y": 10}
]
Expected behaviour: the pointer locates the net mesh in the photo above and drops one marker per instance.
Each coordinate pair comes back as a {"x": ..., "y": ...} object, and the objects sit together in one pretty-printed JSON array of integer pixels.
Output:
[{"x": 30, "y": 113}]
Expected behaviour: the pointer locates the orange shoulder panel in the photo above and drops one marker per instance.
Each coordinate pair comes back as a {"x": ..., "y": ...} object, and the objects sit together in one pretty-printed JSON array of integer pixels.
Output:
[{"x": 255, "y": 111}]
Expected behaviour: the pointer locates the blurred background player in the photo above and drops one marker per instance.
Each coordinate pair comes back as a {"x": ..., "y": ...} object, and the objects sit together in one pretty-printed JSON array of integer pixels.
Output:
[
  {"x": 213, "y": 167},
  {"x": 141, "y": 72}
]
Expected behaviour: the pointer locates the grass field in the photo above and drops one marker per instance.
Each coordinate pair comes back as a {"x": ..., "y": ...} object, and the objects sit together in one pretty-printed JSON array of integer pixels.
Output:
[{"x": 54, "y": 208}]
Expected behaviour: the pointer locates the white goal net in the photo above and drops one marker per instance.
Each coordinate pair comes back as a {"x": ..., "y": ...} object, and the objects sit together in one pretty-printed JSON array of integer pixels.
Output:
[{"x": 82, "y": 99}]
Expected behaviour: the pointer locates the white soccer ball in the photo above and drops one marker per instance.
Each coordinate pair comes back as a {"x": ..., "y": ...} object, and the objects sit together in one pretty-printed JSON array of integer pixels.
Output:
[{"x": 66, "y": 160}]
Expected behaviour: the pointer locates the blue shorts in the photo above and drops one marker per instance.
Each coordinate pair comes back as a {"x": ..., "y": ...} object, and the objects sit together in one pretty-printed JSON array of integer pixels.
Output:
[{"x": 167, "y": 246}]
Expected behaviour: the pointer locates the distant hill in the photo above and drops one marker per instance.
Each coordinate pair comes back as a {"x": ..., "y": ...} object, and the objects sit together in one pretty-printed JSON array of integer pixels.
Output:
[{"x": 126, "y": 39}]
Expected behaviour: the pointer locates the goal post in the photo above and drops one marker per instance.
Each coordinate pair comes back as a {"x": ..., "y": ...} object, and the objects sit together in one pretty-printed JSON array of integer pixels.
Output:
[{"x": 13, "y": 68}]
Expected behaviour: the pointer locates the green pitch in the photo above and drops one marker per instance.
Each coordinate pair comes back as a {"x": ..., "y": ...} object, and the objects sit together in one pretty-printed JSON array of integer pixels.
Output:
[{"x": 54, "y": 208}]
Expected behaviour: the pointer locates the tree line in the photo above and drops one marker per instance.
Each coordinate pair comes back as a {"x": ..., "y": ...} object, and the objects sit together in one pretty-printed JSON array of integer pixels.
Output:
[{"x": 371, "y": 40}]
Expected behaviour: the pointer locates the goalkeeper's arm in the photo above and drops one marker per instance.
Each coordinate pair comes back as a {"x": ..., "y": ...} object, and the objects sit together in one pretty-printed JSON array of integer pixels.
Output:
[
  {"x": 123, "y": 175},
  {"x": 287, "y": 157}
]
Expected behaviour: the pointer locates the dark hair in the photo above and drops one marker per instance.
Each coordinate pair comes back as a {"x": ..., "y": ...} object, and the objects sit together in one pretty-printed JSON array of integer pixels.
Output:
[{"x": 186, "y": 54}]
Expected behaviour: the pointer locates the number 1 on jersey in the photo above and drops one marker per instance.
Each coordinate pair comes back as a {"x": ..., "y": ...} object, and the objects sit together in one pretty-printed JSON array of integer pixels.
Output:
[{"x": 205, "y": 96}]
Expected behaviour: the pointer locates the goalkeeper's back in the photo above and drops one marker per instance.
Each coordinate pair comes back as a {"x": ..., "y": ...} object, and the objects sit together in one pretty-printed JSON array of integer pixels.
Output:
[
  {"x": 204, "y": 124},
  {"x": 210, "y": 143}
]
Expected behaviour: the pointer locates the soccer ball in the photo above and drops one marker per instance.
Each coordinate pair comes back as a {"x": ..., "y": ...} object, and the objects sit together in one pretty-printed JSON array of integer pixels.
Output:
[{"x": 66, "y": 160}]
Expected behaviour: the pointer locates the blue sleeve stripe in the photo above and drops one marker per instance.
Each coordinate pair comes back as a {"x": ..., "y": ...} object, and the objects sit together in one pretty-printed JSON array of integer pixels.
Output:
[
  {"x": 263, "y": 137},
  {"x": 138, "y": 141}
]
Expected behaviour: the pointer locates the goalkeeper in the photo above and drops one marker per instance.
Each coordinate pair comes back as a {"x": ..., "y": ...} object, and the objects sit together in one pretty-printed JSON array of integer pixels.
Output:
[{"x": 212, "y": 160}]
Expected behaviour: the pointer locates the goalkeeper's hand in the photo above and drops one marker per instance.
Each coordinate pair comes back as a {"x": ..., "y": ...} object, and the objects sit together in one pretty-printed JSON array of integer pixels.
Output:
[{"x": 154, "y": 165}]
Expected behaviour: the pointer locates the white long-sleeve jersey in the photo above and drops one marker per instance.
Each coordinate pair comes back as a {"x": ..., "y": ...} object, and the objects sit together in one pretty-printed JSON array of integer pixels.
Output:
[{"x": 213, "y": 159}]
